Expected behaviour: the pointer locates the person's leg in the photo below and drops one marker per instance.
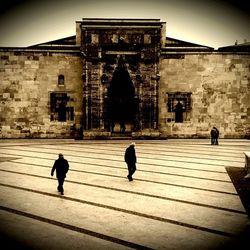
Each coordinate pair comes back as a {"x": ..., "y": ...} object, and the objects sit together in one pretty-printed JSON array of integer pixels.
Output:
[
  {"x": 60, "y": 186},
  {"x": 132, "y": 170},
  {"x": 216, "y": 141},
  {"x": 129, "y": 172},
  {"x": 129, "y": 175},
  {"x": 213, "y": 141}
]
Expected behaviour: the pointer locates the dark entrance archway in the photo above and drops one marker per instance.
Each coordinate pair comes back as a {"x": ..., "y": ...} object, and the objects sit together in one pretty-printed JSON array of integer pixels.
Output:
[
  {"x": 121, "y": 106},
  {"x": 118, "y": 93}
]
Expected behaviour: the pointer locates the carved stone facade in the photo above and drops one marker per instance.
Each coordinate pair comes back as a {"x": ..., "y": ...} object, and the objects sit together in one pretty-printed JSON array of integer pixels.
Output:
[
  {"x": 123, "y": 78},
  {"x": 107, "y": 46}
]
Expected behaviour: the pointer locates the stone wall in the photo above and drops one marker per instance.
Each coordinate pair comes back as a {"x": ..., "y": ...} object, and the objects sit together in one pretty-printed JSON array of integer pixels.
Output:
[
  {"x": 219, "y": 83},
  {"x": 220, "y": 87},
  {"x": 26, "y": 80}
]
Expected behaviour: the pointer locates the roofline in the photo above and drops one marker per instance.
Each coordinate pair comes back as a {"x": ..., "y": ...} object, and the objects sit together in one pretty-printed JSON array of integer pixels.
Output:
[
  {"x": 233, "y": 48},
  {"x": 121, "y": 19},
  {"x": 38, "y": 50},
  {"x": 185, "y": 52},
  {"x": 214, "y": 52},
  {"x": 185, "y": 42},
  {"x": 52, "y": 41},
  {"x": 121, "y": 23}
]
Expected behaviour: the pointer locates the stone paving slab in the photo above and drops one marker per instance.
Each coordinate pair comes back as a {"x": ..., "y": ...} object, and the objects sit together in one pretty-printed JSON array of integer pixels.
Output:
[
  {"x": 154, "y": 189},
  {"x": 195, "y": 215},
  {"x": 181, "y": 196},
  {"x": 150, "y": 168},
  {"x": 192, "y": 158},
  {"x": 185, "y": 181},
  {"x": 124, "y": 226},
  {"x": 41, "y": 235}
]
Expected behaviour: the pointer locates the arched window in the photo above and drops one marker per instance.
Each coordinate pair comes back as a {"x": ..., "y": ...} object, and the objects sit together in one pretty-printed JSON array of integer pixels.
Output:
[{"x": 61, "y": 80}]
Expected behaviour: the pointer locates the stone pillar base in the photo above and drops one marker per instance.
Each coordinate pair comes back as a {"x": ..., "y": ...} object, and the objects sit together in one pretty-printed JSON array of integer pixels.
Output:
[
  {"x": 139, "y": 135},
  {"x": 95, "y": 135},
  {"x": 149, "y": 134}
]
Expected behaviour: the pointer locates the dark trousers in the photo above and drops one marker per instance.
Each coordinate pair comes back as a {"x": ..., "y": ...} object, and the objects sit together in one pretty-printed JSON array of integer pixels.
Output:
[
  {"x": 214, "y": 141},
  {"x": 60, "y": 184},
  {"x": 131, "y": 169}
]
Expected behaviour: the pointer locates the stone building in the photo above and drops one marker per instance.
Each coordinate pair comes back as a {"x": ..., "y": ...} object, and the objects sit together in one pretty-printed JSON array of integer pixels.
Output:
[{"x": 124, "y": 78}]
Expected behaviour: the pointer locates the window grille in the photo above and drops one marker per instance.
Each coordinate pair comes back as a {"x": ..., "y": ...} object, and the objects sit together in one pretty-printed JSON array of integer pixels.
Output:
[
  {"x": 183, "y": 97},
  {"x": 179, "y": 103},
  {"x": 61, "y": 107}
]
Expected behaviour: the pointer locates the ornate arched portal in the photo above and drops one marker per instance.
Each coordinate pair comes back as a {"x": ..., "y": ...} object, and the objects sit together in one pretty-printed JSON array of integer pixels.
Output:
[
  {"x": 120, "y": 76},
  {"x": 121, "y": 104}
]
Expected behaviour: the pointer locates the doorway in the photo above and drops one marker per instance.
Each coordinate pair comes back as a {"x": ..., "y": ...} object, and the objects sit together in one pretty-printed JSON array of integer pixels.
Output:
[{"x": 121, "y": 105}]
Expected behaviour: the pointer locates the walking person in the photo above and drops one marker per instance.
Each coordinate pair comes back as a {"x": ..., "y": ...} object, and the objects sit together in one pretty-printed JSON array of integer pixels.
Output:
[
  {"x": 61, "y": 166},
  {"x": 214, "y": 136},
  {"x": 130, "y": 159}
]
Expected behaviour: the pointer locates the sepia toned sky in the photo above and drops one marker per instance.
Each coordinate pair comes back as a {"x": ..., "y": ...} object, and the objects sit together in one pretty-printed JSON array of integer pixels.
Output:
[{"x": 214, "y": 23}]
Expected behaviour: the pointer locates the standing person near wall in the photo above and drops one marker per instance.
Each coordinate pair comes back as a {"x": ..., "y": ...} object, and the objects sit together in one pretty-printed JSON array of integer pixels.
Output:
[
  {"x": 179, "y": 109},
  {"x": 61, "y": 166},
  {"x": 130, "y": 159},
  {"x": 214, "y": 136}
]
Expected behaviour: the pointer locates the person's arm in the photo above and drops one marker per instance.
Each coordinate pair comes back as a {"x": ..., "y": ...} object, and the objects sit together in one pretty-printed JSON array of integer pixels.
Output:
[
  {"x": 53, "y": 169},
  {"x": 134, "y": 156},
  {"x": 66, "y": 166},
  {"x": 126, "y": 156}
]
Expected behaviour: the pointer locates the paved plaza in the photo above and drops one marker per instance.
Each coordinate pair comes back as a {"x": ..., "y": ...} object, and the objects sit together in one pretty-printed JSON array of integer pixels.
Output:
[{"x": 181, "y": 198}]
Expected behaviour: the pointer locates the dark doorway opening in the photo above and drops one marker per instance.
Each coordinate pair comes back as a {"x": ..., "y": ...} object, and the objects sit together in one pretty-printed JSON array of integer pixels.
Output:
[{"x": 121, "y": 106}]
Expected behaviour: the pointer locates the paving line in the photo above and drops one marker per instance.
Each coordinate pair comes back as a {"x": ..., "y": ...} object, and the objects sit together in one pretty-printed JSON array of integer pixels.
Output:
[
  {"x": 3, "y": 159},
  {"x": 141, "y": 157},
  {"x": 77, "y": 229},
  {"x": 119, "y": 176},
  {"x": 150, "y": 164},
  {"x": 163, "y": 152},
  {"x": 185, "y": 147},
  {"x": 133, "y": 192},
  {"x": 196, "y": 143},
  {"x": 183, "y": 224},
  {"x": 156, "y": 182},
  {"x": 168, "y": 148},
  {"x": 171, "y": 160}
]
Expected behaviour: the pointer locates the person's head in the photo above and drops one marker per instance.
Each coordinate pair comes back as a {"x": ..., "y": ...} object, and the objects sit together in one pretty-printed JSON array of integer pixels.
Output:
[
  {"x": 132, "y": 144},
  {"x": 60, "y": 155}
]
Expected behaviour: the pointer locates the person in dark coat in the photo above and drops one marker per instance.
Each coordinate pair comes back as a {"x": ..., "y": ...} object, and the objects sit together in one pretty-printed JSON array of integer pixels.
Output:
[
  {"x": 130, "y": 159},
  {"x": 61, "y": 166},
  {"x": 179, "y": 109},
  {"x": 214, "y": 136}
]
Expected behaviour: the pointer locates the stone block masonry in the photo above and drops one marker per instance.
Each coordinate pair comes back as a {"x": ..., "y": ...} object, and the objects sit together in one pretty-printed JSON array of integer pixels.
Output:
[
  {"x": 27, "y": 78},
  {"x": 220, "y": 89}
]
